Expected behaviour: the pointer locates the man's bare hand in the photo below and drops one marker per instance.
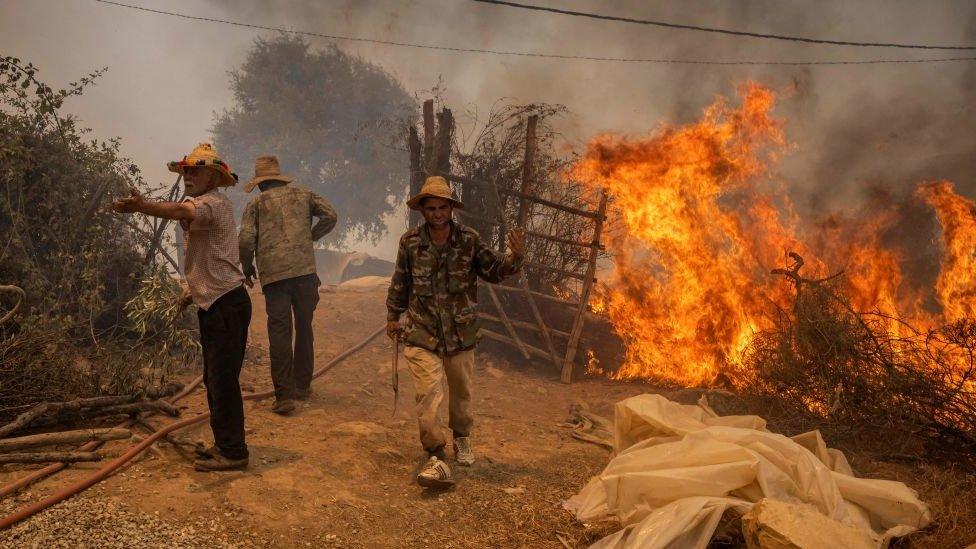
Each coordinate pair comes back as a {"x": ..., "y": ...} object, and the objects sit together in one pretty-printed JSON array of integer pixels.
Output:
[
  {"x": 131, "y": 204},
  {"x": 516, "y": 243},
  {"x": 393, "y": 328}
]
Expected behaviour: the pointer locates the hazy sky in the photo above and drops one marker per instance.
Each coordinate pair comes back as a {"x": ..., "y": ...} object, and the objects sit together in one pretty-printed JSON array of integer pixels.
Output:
[{"x": 883, "y": 123}]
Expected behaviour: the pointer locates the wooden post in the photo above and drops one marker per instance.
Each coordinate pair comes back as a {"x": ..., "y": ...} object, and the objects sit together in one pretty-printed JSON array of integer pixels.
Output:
[
  {"x": 429, "y": 137},
  {"x": 574, "y": 337},
  {"x": 416, "y": 172},
  {"x": 528, "y": 171},
  {"x": 442, "y": 150}
]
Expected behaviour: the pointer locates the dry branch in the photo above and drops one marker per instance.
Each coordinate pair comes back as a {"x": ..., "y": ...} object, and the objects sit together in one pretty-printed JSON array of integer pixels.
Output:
[
  {"x": 50, "y": 457},
  {"x": 65, "y": 437}
]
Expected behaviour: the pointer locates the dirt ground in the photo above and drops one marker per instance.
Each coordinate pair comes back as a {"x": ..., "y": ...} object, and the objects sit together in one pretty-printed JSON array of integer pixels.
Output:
[{"x": 340, "y": 472}]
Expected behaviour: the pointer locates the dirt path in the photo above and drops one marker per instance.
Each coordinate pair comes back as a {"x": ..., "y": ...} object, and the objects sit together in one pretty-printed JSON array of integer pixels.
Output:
[{"x": 340, "y": 472}]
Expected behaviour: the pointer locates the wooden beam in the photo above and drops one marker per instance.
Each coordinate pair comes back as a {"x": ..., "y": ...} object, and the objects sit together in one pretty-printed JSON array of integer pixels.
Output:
[
  {"x": 524, "y": 196},
  {"x": 499, "y": 337},
  {"x": 442, "y": 148},
  {"x": 416, "y": 171},
  {"x": 64, "y": 437},
  {"x": 528, "y": 171},
  {"x": 545, "y": 267},
  {"x": 429, "y": 137},
  {"x": 523, "y": 324},
  {"x": 49, "y": 457},
  {"x": 541, "y": 295},
  {"x": 571, "y": 347},
  {"x": 508, "y": 325}
]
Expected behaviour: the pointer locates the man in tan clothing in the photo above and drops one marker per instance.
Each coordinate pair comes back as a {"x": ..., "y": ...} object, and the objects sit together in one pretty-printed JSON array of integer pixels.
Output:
[
  {"x": 277, "y": 228},
  {"x": 436, "y": 285}
]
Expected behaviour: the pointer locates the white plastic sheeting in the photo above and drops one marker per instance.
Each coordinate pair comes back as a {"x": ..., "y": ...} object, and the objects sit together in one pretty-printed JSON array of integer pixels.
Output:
[{"x": 678, "y": 468}]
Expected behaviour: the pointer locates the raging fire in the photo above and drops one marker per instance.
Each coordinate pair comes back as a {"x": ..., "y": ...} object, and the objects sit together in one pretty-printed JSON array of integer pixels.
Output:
[{"x": 697, "y": 223}]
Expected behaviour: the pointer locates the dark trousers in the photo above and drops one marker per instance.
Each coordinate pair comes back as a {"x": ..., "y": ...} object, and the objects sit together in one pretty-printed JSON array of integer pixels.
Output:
[
  {"x": 291, "y": 367},
  {"x": 223, "y": 336}
]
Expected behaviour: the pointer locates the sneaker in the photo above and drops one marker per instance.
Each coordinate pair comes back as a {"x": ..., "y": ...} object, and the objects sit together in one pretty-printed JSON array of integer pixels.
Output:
[
  {"x": 283, "y": 407},
  {"x": 220, "y": 463},
  {"x": 463, "y": 452},
  {"x": 436, "y": 474}
]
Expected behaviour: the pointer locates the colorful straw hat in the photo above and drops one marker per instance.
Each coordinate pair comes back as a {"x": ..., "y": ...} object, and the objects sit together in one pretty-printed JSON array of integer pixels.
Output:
[
  {"x": 205, "y": 156},
  {"x": 266, "y": 169},
  {"x": 434, "y": 187}
]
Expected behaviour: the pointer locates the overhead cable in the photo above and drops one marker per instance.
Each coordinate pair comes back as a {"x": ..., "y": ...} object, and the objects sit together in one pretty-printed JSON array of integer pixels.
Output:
[
  {"x": 534, "y": 54},
  {"x": 717, "y": 30}
]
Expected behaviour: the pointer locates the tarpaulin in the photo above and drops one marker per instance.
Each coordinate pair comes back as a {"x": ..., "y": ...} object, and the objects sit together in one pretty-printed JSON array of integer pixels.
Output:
[{"x": 678, "y": 468}]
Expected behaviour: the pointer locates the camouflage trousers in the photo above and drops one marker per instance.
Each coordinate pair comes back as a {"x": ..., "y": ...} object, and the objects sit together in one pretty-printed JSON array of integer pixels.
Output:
[{"x": 428, "y": 371}]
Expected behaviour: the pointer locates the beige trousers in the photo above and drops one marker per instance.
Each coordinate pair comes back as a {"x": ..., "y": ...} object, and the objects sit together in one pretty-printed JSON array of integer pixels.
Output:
[{"x": 428, "y": 370}]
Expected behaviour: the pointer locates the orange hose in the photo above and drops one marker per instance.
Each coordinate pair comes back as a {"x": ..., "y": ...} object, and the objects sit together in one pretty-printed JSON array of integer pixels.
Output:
[
  {"x": 44, "y": 472},
  {"x": 132, "y": 452}
]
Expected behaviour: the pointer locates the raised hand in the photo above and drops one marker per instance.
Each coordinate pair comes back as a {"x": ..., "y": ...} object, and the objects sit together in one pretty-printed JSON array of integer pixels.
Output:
[{"x": 516, "y": 243}]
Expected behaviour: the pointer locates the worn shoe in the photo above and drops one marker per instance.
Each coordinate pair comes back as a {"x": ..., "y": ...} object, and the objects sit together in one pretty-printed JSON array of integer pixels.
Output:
[
  {"x": 436, "y": 474},
  {"x": 202, "y": 451},
  {"x": 303, "y": 394},
  {"x": 220, "y": 463},
  {"x": 283, "y": 407},
  {"x": 463, "y": 452}
]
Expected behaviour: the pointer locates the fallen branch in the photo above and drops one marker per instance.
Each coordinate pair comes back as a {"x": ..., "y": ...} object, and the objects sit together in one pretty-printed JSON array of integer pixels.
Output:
[
  {"x": 48, "y": 457},
  {"x": 58, "y": 408},
  {"x": 65, "y": 437}
]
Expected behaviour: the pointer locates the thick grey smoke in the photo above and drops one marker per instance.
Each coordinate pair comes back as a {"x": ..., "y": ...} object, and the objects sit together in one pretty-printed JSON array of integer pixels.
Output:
[{"x": 854, "y": 127}]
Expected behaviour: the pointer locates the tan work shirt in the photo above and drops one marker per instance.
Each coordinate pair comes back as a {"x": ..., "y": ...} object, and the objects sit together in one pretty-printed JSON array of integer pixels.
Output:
[{"x": 210, "y": 240}]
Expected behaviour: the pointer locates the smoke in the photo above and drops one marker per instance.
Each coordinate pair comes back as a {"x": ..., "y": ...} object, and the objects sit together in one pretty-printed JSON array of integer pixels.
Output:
[{"x": 855, "y": 128}]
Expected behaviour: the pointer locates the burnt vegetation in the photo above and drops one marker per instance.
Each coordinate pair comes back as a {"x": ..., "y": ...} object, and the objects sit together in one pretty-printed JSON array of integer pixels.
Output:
[{"x": 871, "y": 381}]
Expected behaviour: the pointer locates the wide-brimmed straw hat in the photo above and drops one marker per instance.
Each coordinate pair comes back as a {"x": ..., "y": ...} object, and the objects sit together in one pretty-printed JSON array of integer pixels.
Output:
[
  {"x": 205, "y": 156},
  {"x": 434, "y": 187},
  {"x": 266, "y": 169}
]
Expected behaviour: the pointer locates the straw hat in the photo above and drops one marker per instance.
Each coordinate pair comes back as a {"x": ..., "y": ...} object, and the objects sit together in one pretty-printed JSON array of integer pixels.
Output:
[
  {"x": 266, "y": 169},
  {"x": 205, "y": 155},
  {"x": 434, "y": 187}
]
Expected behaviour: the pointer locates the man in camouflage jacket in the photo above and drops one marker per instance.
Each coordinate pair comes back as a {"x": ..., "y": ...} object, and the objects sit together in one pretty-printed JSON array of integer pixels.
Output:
[
  {"x": 436, "y": 284},
  {"x": 277, "y": 227}
]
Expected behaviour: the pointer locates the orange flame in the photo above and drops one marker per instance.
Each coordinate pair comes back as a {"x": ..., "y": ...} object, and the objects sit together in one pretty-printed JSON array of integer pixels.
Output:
[{"x": 695, "y": 225}]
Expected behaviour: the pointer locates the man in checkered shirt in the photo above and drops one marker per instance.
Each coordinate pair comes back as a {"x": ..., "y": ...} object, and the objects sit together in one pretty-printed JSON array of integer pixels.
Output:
[{"x": 215, "y": 284}]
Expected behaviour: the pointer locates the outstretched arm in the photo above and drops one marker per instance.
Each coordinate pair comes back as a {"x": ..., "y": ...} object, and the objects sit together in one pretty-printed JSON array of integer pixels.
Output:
[{"x": 135, "y": 203}]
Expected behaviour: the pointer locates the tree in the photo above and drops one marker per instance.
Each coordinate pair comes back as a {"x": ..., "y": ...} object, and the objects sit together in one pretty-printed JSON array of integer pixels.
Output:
[{"x": 333, "y": 120}]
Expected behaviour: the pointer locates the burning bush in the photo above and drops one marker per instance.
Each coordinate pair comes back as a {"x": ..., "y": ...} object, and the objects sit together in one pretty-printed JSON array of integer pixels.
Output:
[
  {"x": 846, "y": 370},
  {"x": 78, "y": 263}
]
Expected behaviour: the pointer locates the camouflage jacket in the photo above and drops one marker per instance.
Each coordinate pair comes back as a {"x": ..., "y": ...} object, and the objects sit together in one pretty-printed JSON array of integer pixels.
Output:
[
  {"x": 277, "y": 226},
  {"x": 438, "y": 289}
]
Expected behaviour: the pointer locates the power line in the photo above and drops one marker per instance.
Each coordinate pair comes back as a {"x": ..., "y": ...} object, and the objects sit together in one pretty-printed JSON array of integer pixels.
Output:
[
  {"x": 536, "y": 54},
  {"x": 723, "y": 31}
]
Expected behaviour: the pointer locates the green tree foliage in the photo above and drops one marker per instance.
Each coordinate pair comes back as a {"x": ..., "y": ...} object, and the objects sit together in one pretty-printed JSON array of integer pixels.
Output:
[
  {"x": 332, "y": 119},
  {"x": 79, "y": 263},
  {"x": 75, "y": 259}
]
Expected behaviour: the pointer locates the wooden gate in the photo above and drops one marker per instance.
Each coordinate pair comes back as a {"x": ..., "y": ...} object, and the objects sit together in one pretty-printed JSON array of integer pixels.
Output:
[{"x": 432, "y": 156}]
